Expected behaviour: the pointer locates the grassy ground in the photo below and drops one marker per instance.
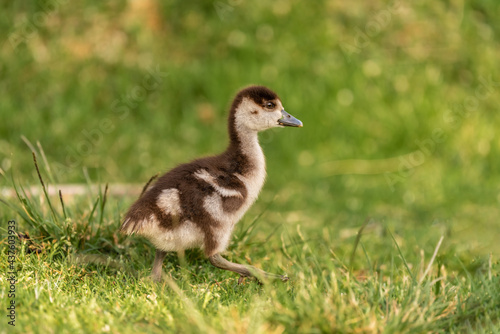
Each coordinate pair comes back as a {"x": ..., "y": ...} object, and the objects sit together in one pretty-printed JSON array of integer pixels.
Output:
[{"x": 400, "y": 108}]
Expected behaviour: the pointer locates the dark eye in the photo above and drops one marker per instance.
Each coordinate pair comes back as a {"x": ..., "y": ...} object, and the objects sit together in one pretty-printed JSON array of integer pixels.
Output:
[{"x": 270, "y": 105}]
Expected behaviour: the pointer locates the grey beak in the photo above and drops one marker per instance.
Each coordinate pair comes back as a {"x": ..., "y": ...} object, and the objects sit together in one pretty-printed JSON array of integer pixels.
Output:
[{"x": 289, "y": 120}]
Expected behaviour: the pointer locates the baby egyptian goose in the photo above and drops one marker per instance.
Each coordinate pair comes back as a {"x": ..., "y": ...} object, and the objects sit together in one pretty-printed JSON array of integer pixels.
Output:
[{"x": 198, "y": 204}]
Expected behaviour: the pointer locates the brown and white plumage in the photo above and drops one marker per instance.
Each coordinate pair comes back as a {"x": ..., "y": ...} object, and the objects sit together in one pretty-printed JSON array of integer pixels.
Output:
[{"x": 198, "y": 204}]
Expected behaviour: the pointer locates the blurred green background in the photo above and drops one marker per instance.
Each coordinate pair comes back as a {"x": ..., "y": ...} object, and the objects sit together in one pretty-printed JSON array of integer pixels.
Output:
[{"x": 399, "y": 101}]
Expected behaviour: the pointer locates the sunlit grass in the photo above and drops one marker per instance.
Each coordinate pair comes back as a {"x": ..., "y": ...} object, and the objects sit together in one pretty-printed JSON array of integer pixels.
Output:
[
  {"x": 73, "y": 276},
  {"x": 399, "y": 102}
]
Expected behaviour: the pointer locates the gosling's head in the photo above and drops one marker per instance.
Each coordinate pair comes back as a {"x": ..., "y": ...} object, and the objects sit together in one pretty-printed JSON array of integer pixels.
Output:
[{"x": 257, "y": 108}]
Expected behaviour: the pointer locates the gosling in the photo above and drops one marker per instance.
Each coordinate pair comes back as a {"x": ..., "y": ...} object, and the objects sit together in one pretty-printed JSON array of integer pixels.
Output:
[{"x": 198, "y": 204}]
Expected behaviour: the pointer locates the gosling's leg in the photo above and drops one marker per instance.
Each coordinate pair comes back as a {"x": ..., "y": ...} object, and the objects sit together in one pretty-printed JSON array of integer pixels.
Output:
[
  {"x": 157, "y": 265},
  {"x": 244, "y": 270}
]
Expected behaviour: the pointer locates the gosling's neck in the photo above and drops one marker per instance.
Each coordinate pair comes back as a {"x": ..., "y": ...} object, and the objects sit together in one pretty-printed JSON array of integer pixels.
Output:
[{"x": 244, "y": 142}]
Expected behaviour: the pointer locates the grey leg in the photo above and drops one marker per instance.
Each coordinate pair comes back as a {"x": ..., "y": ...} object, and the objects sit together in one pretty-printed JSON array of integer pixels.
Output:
[
  {"x": 244, "y": 270},
  {"x": 157, "y": 265}
]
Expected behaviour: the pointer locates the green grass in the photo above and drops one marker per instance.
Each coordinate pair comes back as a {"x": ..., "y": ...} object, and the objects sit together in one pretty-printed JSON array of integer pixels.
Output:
[
  {"x": 74, "y": 275},
  {"x": 399, "y": 142}
]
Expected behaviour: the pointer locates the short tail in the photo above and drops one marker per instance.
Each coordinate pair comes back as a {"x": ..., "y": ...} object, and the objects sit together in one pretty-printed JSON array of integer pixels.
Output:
[
  {"x": 128, "y": 227},
  {"x": 130, "y": 224}
]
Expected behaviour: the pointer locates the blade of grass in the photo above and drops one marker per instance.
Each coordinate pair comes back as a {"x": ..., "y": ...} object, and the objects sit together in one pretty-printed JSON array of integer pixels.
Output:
[
  {"x": 490, "y": 265},
  {"x": 88, "y": 184},
  {"x": 62, "y": 205},
  {"x": 432, "y": 260},
  {"x": 437, "y": 287},
  {"x": 46, "y": 162},
  {"x": 20, "y": 212},
  {"x": 28, "y": 143},
  {"x": 272, "y": 233},
  {"x": 367, "y": 257},
  {"x": 103, "y": 204},
  {"x": 46, "y": 227},
  {"x": 246, "y": 233},
  {"x": 31, "y": 216},
  {"x": 358, "y": 238},
  {"x": 54, "y": 215},
  {"x": 94, "y": 207},
  {"x": 147, "y": 184},
  {"x": 402, "y": 257},
  {"x": 467, "y": 272}
]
